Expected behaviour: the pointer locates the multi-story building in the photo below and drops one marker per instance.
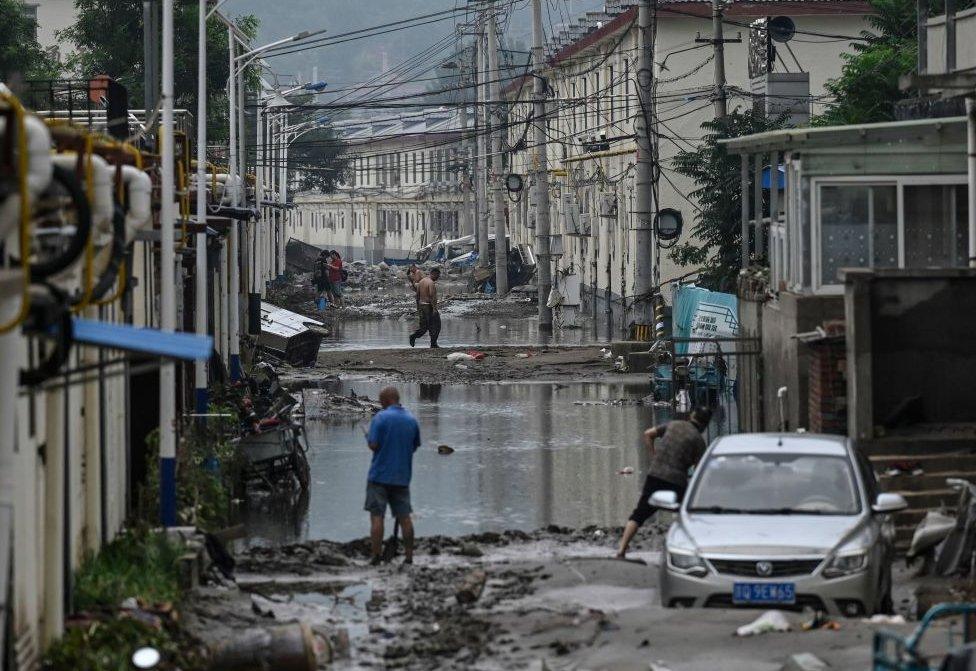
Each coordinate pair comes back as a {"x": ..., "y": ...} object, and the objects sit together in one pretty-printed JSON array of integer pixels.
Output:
[
  {"x": 402, "y": 190},
  {"x": 52, "y": 16},
  {"x": 593, "y": 104}
]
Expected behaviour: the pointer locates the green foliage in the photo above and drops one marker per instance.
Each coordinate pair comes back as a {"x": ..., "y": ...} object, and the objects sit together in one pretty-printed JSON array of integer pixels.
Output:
[
  {"x": 867, "y": 88},
  {"x": 716, "y": 245},
  {"x": 207, "y": 471},
  {"x": 108, "y": 37},
  {"x": 138, "y": 563},
  {"x": 20, "y": 54},
  {"x": 107, "y": 645}
]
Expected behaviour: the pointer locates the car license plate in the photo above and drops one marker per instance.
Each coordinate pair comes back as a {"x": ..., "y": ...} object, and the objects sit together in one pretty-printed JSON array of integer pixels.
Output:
[{"x": 764, "y": 592}]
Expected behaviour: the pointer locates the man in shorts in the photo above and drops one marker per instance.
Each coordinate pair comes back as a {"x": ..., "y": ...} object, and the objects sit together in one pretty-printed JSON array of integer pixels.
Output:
[{"x": 394, "y": 435}]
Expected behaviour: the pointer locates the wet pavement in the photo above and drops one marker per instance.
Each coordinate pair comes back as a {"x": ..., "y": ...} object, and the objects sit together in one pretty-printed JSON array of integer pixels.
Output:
[{"x": 526, "y": 455}]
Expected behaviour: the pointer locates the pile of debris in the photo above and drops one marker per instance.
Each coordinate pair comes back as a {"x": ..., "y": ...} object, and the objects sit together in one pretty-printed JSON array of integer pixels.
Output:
[{"x": 321, "y": 404}]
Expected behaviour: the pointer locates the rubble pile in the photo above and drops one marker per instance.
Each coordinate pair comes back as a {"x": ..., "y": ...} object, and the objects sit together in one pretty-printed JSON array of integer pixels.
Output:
[{"x": 321, "y": 404}]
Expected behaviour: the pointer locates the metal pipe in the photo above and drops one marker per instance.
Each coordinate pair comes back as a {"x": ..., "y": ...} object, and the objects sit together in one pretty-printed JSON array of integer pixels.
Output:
[
  {"x": 745, "y": 211},
  {"x": 167, "y": 372},
  {"x": 971, "y": 176},
  {"x": 200, "y": 281},
  {"x": 259, "y": 176}
]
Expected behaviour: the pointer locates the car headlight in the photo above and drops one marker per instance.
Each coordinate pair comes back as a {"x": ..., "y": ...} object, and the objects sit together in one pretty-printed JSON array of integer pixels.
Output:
[
  {"x": 846, "y": 564},
  {"x": 687, "y": 562}
]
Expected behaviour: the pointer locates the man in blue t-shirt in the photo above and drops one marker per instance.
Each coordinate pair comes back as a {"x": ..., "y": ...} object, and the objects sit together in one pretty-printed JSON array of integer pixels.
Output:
[{"x": 394, "y": 436}]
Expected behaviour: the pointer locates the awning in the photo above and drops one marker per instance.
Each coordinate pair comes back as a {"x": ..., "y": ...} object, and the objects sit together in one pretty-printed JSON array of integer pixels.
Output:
[{"x": 188, "y": 346}]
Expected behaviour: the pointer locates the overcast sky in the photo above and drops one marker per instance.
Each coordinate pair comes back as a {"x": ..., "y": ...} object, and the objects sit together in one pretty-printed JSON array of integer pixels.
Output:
[{"x": 360, "y": 59}]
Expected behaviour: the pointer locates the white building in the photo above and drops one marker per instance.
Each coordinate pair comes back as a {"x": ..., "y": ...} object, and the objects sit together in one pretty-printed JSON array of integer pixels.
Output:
[
  {"x": 52, "y": 16},
  {"x": 402, "y": 188},
  {"x": 592, "y": 73}
]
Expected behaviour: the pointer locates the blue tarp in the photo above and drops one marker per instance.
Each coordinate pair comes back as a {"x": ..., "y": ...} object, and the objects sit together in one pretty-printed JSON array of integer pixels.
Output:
[{"x": 187, "y": 346}]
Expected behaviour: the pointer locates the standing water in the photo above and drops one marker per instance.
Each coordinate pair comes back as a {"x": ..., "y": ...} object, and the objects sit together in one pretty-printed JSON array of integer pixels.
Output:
[{"x": 526, "y": 455}]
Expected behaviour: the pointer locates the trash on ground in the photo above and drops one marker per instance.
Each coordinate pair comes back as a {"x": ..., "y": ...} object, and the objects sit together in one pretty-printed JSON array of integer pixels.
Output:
[
  {"x": 820, "y": 621},
  {"x": 626, "y": 470},
  {"x": 445, "y": 449},
  {"x": 471, "y": 586},
  {"x": 804, "y": 661},
  {"x": 771, "y": 620},
  {"x": 475, "y": 354},
  {"x": 460, "y": 356},
  {"x": 881, "y": 618}
]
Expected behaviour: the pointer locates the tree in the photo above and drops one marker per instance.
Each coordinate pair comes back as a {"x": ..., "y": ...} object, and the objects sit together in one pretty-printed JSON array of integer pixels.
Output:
[
  {"x": 316, "y": 159},
  {"x": 108, "y": 37},
  {"x": 716, "y": 245},
  {"x": 20, "y": 54},
  {"x": 867, "y": 88}
]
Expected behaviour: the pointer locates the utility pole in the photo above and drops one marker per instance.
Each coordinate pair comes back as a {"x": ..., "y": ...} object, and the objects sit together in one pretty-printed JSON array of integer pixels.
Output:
[
  {"x": 644, "y": 181},
  {"x": 498, "y": 197},
  {"x": 201, "y": 285},
  {"x": 719, "y": 97},
  {"x": 544, "y": 271},
  {"x": 150, "y": 46},
  {"x": 167, "y": 282},
  {"x": 481, "y": 111},
  {"x": 233, "y": 238},
  {"x": 465, "y": 184},
  {"x": 474, "y": 148}
]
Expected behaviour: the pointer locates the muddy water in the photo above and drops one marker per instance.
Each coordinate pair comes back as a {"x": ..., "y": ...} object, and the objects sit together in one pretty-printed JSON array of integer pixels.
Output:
[
  {"x": 526, "y": 455},
  {"x": 456, "y": 331}
]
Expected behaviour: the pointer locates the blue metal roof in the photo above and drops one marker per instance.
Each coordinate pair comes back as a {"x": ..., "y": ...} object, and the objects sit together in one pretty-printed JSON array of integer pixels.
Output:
[{"x": 187, "y": 346}]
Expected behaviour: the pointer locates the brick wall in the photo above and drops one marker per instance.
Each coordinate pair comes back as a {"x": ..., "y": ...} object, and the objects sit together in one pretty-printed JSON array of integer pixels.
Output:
[{"x": 828, "y": 386}]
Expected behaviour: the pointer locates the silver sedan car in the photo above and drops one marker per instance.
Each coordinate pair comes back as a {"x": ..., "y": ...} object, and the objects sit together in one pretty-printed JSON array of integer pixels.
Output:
[{"x": 780, "y": 521}]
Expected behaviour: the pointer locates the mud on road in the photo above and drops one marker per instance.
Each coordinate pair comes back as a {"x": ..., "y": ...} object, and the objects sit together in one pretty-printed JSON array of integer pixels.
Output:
[
  {"x": 422, "y": 364},
  {"x": 552, "y": 599}
]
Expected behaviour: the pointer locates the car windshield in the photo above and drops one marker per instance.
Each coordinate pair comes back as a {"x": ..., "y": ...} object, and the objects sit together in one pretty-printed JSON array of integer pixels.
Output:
[{"x": 776, "y": 484}]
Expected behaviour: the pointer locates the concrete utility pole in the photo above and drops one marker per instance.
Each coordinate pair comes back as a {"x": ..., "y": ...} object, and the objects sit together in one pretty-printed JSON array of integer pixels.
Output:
[
  {"x": 718, "y": 46},
  {"x": 201, "y": 285},
  {"x": 150, "y": 46},
  {"x": 544, "y": 277},
  {"x": 482, "y": 176},
  {"x": 167, "y": 282},
  {"x": 463, "y": 170},
  {"x": 645, "y": 206},
  {"x": 497, "y": 186},
  {"x": 719, "y": 97},
  {"x": 233, "y": 246},
  {"x": 474, "y": 148}
]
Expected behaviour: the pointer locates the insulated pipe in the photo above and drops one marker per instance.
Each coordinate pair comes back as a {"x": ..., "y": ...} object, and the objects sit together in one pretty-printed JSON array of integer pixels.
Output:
[
  {"x": 200, "y": 283},
  {"x": 138, "y": 186},
  {"x": 167, "y": 320},
  {"x": 40, "y": 170}
]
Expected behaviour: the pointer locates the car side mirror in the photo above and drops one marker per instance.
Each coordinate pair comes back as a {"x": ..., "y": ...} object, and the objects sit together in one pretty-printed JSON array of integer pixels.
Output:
[
  {"x": 889, "y": 503},
  {"x": 666, "y": 500}
]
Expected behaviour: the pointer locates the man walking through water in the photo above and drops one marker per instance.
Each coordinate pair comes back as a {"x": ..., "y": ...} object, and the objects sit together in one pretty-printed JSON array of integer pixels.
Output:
[
  {"x": 675, "y": 448},
  {"x": 430, "y": 318},
  {"x": 394, "y": 435}
]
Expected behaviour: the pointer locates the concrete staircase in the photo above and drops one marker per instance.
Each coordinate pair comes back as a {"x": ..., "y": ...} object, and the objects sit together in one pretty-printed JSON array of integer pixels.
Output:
[{"x": 939, "y": 453}]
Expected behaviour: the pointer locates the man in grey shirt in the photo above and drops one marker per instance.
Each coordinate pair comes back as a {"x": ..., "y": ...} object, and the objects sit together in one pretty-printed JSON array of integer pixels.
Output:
[{"x": 675, "y": 448}]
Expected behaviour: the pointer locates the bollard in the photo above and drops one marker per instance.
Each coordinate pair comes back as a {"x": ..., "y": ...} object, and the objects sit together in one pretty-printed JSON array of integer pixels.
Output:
[{"x": 289, "y": 647}]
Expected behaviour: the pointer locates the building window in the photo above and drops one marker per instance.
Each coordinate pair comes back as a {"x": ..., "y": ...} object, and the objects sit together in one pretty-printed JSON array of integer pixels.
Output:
[
  {"x": 905, "y": 223},
  {"x": 858, "y": 228},
  {"x": 597, "y": 95},
  {"x": 936, "y": 229},
  {"x": 30, "y": 11}
]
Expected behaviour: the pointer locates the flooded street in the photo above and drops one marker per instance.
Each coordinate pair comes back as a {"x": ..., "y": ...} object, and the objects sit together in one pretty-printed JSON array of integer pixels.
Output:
[{"x": 526, "y": 455}]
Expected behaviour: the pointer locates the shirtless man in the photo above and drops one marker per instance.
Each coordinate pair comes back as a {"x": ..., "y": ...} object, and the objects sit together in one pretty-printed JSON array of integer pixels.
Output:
[{"x": 430, "y": 318}]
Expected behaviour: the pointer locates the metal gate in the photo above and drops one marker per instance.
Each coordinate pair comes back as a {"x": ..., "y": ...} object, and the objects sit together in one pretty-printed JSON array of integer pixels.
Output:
[{"x": 724, "y": 374}]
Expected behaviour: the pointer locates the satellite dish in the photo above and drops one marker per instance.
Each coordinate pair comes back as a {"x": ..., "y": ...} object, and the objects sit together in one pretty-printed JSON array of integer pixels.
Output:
[{"x": 781, "y": 29}]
